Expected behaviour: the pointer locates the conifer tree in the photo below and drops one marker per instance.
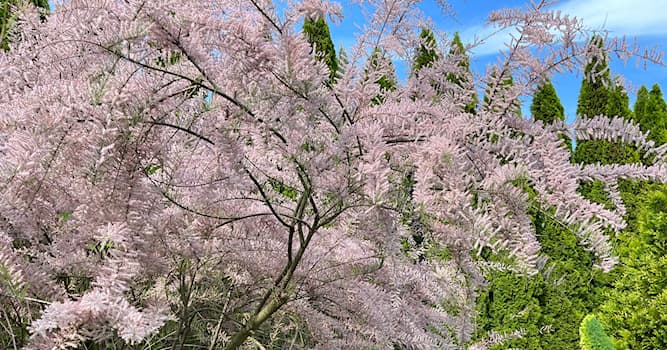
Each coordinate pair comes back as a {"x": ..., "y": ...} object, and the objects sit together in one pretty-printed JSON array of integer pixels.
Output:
[
  {"x": 640, "y": 107},
  {"x": 593, "y": 97},
  {"x": 618, "y": 105},
  {"x": 618, "y": 102},
  {"x": 546, "y": 106},
  {"x": 634, "y": 310},
  {"x": 427, "y": 52},
  {"x": 594, "y": 93},
  {"x": 655, "y": 119},
  {"x": 458, "y": 49},
  {"x": 550, "y": 305},
  {"x": 600, "y": 96},
  {"x": 317, "y": 33}
]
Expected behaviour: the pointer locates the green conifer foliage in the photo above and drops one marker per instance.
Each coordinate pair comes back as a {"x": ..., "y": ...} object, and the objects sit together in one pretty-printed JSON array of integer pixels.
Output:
[
  {"x": 606, "y": 152},
  {"x": 546, "y": 106},
  {"x": 427, "y": 52},
  {"x": 458, "y": 49},
  {"x": 8, "y": 17},
  {"x": 549, "y": 306},
  {"x": 640, "y": 107},
  {"x": 656, "y": 115},
  {"x": 600, "y": 96},
  {"x": 635, "y": 310},
  {"x": 651, "y": 113},
  {"x": 317, "y": 33},
  {"x": 593, "y": 336},
  {"x": 594, "y": 93},
  {"x": 618, "y": 103},
  {"x": 593, "y": 97}
]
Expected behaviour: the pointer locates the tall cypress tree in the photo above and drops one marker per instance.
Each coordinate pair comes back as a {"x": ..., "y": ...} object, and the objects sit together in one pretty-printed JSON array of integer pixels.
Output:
[
  {"x": 600, "y": 96},
  {"x": 593, "y": 94},
  {"x": 606, "y": 152},
  {"x": 615, "y": 152},
  {"x": 427, "y": 52},
  {"x": 618, "y": 102},
  {"x": 457, "y": 49},
  {"x": 317, "y": 33},
  {"x": 656, "y": 115},
  {"x": 546, "y": 107},
  {"x": 8, "y": 17},
  {"x": 640, "y": 107}
]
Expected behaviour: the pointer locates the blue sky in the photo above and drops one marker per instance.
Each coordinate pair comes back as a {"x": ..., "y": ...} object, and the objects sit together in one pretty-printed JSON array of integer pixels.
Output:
[{"x": 644, "y": 19}]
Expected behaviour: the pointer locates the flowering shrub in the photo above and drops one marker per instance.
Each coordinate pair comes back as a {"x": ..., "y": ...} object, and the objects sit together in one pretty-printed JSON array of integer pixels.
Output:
[{"x": 182, "y": 171}]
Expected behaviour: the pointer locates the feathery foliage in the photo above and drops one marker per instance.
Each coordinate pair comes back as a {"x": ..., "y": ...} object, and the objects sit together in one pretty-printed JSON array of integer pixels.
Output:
[
  {"x": 594, "y": 92},
  {"x": 317, "y": 32},
  {"x": 380, "y": 63},
  {"x": 185, "y": 175},
  {"x": 593, "y": 336},
  {"x": 427, "y": 51},
  {"x": 495, "y": 95},
  {"x": 464, "y": 75},
  {"x": 8, "y": 16},
  {"x": 634, "y": 309}
]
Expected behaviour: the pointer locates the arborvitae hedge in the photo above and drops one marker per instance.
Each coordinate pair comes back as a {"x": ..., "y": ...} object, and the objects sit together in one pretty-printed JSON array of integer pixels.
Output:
[
  {"x": 635, "y": 309},
  {"x": 550, "y": 305}
]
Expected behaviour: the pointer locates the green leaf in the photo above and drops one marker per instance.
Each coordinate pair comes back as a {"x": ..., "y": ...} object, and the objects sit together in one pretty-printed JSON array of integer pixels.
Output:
[
  {"x": 65, "y": 216},
  {"x": 151, "y": 169}
]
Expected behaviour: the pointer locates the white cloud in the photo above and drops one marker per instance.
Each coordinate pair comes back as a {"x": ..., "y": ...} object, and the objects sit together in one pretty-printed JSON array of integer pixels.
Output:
[{"x": 620, "y": 17}]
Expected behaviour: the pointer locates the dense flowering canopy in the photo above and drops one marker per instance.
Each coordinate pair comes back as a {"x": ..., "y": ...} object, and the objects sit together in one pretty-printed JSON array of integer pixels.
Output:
[{"x": 152, "y": 146}]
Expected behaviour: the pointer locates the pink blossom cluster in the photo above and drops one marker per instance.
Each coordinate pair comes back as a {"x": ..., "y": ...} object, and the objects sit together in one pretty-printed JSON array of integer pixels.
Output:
[{"x": 161, "y": 155}]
